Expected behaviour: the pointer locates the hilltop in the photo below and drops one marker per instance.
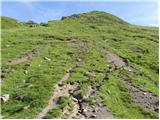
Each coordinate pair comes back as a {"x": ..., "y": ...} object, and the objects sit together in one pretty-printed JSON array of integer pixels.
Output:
[
  {"x": 95, "y": 17},
  {"x": 89, "y": 65}
]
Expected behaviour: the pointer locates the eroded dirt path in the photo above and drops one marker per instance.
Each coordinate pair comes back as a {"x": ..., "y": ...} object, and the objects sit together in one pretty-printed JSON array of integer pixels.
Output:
[
  {"x": 82, "y": 108},
  {"x": 116, "y": 60},
  {"x": 59, "y": 90},
  {"x": 26, "y": 57},
  {"x": 141, "y": 97}
]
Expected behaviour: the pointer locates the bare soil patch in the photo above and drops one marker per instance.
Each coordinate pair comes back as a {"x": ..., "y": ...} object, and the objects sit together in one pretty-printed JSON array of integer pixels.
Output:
[{"x": 26, "y": 57}]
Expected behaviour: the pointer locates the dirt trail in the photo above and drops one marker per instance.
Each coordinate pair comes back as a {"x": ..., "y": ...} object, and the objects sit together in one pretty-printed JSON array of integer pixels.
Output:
[
  {"x": 144, "y": 98},
  {"x": 117, "y": 61},
  {"x": 82, "y": 108},
  {"x": 26, "y": 57},
  {"x": 58, "y": 91}
]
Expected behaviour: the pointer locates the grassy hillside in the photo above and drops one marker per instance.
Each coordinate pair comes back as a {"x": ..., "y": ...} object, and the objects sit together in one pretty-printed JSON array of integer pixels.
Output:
[
  {"x": 7, "y": 23},
  {"x": 95, "y": 52}
]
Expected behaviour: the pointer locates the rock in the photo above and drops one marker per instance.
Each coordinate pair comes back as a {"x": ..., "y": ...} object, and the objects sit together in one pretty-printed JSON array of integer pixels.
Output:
[
  {"x": 69, "y": 70},
  {"x": 156, "y": 110},
  {"x": 78, "y": 94},
  {"x": 144, "y": 93},
  {"x": 4, "y": 97},
  {"x": 130, "y": 70},
  {"x": 30, "y": 85},
  {"x": 79, "y": 60},
  {"x": 21, "y": 97},
  {"x": 46, "y": 58},
  {"x": 85, "y": 110},
  {"x": 100, "y": 104},
  {"x": 70, "y": 91},
  {"x": 93, "y": 116},
  {"x": 60, "y": 84},
  {"x": 94, "y": 110},
  {"x": 74, "y": 99}
]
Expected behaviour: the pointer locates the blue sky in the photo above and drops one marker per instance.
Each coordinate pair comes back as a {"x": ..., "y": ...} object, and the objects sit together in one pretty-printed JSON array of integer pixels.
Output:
[{"x": 140, "y": 13}]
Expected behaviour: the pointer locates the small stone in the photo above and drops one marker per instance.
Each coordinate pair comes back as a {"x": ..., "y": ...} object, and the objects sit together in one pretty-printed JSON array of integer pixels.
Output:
[
  {"x": 100, "y": 104},
  {"x": 144, "y": 93},
  {"x": 79, "y": 60},
  {"x": 74, "y": 99},
  {"x": 95, "y": 110},
  {"x": 70, "y": 91},
  {"x": 130, "y": 70},
  {"x": 30, "y": 85},
  {"x": 78, "y": 94},
  {"x": 46, "y": 58},
  {"x": 60, "y": 84},
  {"x": 84, "y": 110},
  {"x": 21, "y": 97},
  {"x": 93, "y": 116},
  {"x": 4, "y": 97},
  {"x": 156, "y": 109}
]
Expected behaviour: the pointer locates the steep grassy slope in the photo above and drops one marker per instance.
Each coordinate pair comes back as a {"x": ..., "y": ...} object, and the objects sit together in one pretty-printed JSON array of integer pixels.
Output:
[
  {"x": 9, "y": 23},
  {"x": 35, "y": 59}
]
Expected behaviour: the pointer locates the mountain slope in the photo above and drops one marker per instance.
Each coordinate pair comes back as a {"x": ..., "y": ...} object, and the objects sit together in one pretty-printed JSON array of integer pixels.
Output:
[
  {"x": 91, "y": 65},
  {"x": 7, "y": 22}
]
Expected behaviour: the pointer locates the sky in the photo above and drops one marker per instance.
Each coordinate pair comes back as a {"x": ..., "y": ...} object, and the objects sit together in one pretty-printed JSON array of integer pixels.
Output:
[{"x": 142, "y": 12}]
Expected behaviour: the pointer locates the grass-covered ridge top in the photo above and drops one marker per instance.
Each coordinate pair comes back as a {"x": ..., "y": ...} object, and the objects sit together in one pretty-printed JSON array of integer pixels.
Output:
[{"x": 96, "y": 17}]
